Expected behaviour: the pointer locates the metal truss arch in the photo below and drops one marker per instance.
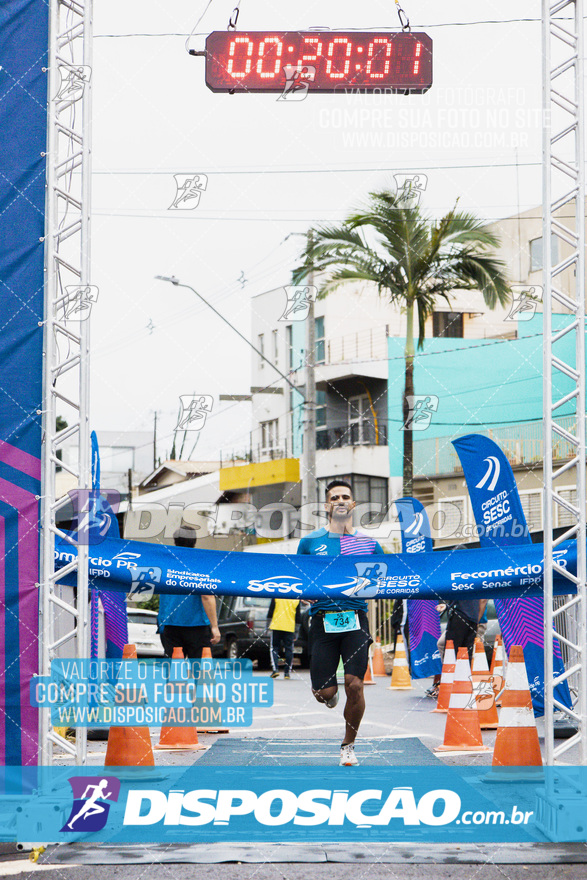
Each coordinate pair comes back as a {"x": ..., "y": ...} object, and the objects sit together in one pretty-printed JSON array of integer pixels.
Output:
[
  {"x": 565, "y": 619},
  {"x": 64, "y": 614}
]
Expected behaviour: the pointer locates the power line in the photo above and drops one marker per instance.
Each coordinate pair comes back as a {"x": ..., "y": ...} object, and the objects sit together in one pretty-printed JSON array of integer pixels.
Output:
[
  {"x": 466, "y": 348},
  {"x": 385, "y": 27},
  {"x": 220, "y": 218},
  {"x": 328, "y": 218},
  {"x": 330, "y": 170}
]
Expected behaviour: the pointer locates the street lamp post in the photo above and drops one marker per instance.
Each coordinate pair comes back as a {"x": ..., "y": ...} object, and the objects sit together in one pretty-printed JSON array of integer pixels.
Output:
[
  {"x": 177, "y": 283},
  {"x": 308, "y": 463},
  {"x": 309, "y": 494}
]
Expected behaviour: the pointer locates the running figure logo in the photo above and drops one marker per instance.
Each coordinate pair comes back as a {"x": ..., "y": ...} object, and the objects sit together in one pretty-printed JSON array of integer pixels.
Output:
[
  {"x": 78, "y": 301},
  {"x": 92, "y": 513},
  {"x": 299, "y": 300},
  {"x": 370, "y": 577},
  {"x": 144, "y": 579},
  {"x": 524, "y": 302},
  {"x": 297, "y": 80},
  {"x": 189, "y": 189},
  {"x": 484, "y": 692},
  {"x": 73, "y": 81},
  {"x": 194, "y": 411},
  {"x": 422, "y": 408},
  {"x": 409, "y": 189},
  {"x": 90, "y": 802}
]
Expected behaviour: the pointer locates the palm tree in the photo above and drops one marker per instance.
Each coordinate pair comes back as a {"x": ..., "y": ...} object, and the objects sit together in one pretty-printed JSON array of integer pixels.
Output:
[{"x": 413, "y": 262}]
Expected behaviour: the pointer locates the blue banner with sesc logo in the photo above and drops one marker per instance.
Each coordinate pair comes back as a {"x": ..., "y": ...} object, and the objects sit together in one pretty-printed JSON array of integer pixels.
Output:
[
  {"x": 424, "y": 622},
  {"x": 116, "y": 564},
  {"x": 501, "y": 522}
]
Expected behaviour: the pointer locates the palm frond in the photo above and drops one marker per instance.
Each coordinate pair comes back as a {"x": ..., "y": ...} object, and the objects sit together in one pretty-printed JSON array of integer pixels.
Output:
[{"x": 406, "y": 256}]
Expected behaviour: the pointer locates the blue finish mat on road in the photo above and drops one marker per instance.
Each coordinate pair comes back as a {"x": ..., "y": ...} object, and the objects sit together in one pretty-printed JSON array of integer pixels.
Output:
[{"x": 260, "y": 752}]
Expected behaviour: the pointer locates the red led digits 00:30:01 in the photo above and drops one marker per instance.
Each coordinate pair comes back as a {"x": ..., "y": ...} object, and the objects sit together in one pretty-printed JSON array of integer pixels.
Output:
[{"x": 324, "y": 61}]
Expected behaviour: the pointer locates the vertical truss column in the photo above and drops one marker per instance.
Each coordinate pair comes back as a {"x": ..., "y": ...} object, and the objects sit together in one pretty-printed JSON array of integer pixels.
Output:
[
  {"x": 564, "y": 351},
  {"x": 68, "y": 301}
]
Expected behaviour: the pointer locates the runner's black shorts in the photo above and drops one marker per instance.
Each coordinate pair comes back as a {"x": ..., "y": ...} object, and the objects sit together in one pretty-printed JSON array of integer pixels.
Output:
[
  {"x": 326, "y": 649},
  {"x": 191, "y": 638}
]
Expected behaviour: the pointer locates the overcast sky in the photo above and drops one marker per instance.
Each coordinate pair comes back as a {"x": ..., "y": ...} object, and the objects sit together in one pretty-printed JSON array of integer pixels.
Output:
[{"x": 273, "y": 168}]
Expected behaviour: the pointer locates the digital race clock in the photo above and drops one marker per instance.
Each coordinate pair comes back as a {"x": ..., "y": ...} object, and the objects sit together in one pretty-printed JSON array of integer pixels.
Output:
[{"x": 319, "y": 61}]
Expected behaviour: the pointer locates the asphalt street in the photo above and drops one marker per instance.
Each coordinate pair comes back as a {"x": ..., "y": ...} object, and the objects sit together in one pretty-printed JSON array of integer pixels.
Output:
[
  {"x": 296, "y": 715},
  {"x": 392, "y": 720}
]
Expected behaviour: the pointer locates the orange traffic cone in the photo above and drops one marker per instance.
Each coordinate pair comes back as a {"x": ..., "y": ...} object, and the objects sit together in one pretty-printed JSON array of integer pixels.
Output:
[
  {"x": 516, "y": 742},
  {"x": 378, "y": 663},
  {"x": 400, "y": 675},
  {"x": 369, "y": 674},
  {"x": 497, "y": 669},
  {"x": 179, "y": 738},
  {"x": 129, "y": 746},
  {"x": 479, "y": 658},
  {"x": 494, "y": 657},
  {"x": 462, "y": 732},
  {"x": 483, "y": 689},
  {"x": 447, "y": 678},
  {"x": 206, "y": 653}
]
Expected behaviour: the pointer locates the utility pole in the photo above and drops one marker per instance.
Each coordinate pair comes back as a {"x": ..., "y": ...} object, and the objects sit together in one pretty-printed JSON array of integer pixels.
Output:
[{"x": 309, "y": 495}]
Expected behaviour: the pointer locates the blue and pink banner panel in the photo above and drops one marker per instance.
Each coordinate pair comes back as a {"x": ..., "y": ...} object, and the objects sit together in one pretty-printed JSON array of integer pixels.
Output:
[
  {"x": 424, "y": 621},
  {"x": 501, "y": 522},
  {"x": 23, "y": 122}
]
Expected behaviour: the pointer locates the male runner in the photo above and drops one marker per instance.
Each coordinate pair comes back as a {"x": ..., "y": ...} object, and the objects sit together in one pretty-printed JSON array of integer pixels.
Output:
[{"x": 339, "y": 627}]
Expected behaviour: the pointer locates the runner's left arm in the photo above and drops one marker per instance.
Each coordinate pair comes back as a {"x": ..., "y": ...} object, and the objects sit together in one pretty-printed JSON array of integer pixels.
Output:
[{"x": 209, "y": 603}]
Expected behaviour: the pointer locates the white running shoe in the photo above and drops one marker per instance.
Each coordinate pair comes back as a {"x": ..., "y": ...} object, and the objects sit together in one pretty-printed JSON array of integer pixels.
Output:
[
  {"x": 333, "y": 701},
  {"x": 347, "y": 755}
]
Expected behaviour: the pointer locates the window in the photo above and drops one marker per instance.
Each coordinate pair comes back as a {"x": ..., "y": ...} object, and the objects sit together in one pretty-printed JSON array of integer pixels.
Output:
[
  {"x": 224, "y": 606},
  {"x": 360, "y": 418},
  {"x": 321, "y": 430},
  {"x": 321, "y": 409},
  {"x": 142, "y": 617},
  {"x": 565, "y": 517},
  {"x": 536, "y": 253},
  {"x": 378, "y": 491},
  {"x": 275, "y": 346},
  {"x": 320, "y": 343},
  {"x": 447, "y": 324},
  {"x": 289, "y": 347},
  {"x": 261, "y": 348},
  {"x": 532, "y": 507},
  {"x": 269, "y": 435}
]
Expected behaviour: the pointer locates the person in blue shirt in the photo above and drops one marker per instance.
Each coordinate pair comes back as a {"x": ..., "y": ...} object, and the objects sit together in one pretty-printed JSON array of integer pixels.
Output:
[
  {"x": 339, "y": 626},
  {"x": 188, "y": 622}
]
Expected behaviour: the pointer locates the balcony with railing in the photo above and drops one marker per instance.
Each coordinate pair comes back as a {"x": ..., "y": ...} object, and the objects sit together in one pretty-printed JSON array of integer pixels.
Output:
[
  {"x": 272, "y": 451},
  {"x": 522, "y": 444},
  {"x": 355, "y": 434},
  {"x": 364, "y": 345}
]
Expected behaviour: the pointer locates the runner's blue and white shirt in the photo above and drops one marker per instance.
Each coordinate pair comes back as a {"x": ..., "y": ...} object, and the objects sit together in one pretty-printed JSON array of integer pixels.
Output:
[{"x": 325, "y": 543}]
